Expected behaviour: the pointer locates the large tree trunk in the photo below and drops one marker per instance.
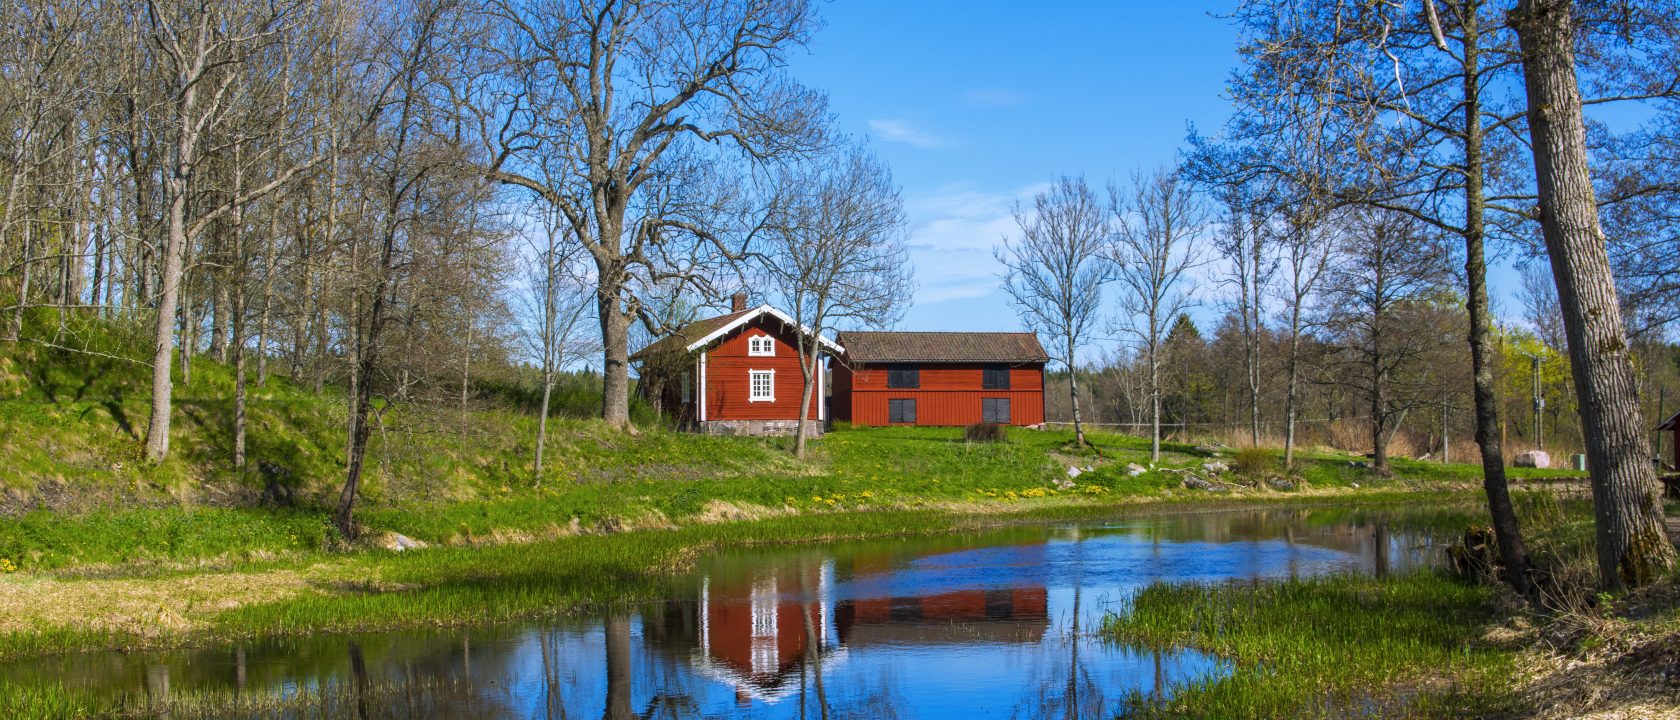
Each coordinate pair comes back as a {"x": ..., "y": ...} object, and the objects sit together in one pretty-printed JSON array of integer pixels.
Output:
[
  {"x": 1506, "y": 529},
  {"x": 1633, "y": 548},
  {"x": 615, "y": 359}
]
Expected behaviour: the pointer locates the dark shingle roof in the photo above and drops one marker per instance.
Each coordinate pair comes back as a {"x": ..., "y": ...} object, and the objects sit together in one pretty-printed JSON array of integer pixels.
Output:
[
  {"x": 678, "y": 341},
  {"x": 995, "y": 347}
]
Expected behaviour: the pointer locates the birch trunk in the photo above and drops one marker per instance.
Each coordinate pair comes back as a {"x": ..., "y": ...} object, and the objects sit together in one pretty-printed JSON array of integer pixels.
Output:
[{"x": 1073, "y": 393}]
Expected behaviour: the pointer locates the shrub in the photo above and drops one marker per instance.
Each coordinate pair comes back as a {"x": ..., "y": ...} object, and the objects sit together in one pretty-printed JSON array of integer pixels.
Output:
[
  {"x": 986, "y": 432},
  {"x": 1254, "y": 461}
]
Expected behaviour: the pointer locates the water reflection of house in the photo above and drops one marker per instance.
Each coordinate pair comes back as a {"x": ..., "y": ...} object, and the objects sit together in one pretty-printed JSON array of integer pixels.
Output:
[
  {"x": 760, "y": 631},
  {"x": 766, "y": 631},
  {"x": 1019, "y": 615}
]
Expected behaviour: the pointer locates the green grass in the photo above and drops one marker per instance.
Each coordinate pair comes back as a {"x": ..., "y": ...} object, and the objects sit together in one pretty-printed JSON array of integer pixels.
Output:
[
  {"x": 604, "y": 479},
  {"x": 70, "y": 427},
  {"x": 1331, "y": 647}
]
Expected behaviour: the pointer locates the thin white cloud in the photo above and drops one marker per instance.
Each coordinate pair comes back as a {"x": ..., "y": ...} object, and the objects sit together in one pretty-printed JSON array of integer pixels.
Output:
[
  {"x": 994, "y": 98},
  {"x": 952, "y": 232},
  {"x": 903, "y": 131}
]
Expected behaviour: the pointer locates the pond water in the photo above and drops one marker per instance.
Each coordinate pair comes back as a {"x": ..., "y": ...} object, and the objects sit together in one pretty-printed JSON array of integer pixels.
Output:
[{"x": 992, "y": 624}]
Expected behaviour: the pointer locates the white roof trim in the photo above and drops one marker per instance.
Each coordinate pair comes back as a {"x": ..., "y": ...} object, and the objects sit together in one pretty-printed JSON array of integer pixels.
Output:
[{"x": 753, "y": 315}]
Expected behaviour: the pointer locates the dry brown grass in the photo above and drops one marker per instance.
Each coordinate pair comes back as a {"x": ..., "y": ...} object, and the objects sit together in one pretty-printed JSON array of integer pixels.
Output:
[
  {"x": 1590, "y": 663},
  {"x": 147, "y": 607},
  {"x": 717, "y": 511}
]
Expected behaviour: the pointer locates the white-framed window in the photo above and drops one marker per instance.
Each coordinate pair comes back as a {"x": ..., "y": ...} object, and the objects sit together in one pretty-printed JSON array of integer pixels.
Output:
[
  {"x": 761, "y": 345},
  {"x": 762, "y": 386},
  {"x": 687, "y": 388}
]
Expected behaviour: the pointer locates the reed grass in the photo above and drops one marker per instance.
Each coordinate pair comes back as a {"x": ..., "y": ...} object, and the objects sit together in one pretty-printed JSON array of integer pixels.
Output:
[{"x": 1327, "y": 647}]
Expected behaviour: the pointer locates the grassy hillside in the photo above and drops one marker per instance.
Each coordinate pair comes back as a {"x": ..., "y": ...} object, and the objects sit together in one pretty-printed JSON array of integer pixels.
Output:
[{"x": 76, "y": 490}]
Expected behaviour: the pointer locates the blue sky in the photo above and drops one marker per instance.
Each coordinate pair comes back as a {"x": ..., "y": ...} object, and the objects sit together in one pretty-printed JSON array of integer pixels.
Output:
[{"x": 976, "y": 105}]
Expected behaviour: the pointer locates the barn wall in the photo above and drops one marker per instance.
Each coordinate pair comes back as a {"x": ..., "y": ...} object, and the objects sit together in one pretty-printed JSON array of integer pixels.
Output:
[
  {"x": 728, "y": 384},
  {"x": 950, "y": 394},
  {"x": 841, "y": 382}
]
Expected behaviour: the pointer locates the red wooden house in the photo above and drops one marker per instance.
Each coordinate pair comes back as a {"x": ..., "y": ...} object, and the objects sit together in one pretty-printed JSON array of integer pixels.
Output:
[
  {"x": 939, "y": 378},
  {"x": 734, "y": 374}
]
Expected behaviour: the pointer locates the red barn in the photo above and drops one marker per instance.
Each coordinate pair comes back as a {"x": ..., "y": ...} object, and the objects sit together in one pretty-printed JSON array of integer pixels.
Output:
[
  {"x": 734, "y": 374},
  {"x": 939, "y": 378}
]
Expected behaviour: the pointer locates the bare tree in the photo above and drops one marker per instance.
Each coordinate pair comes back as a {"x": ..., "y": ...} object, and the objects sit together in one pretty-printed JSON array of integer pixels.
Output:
[
  {"x": 560, "y": 298},
  {"x": 44, "y": 89},
  {"x": 1539, "y": 298},
  {"x": 1388, "y": 273},
  {"x": 835, "y": 250},
  {"x": 1326, "y": 80},
  {"x": 1250, "y": 264},
  {"x": 1161, "y": 225},
  {"x": 1055, "y": 272},
  {"x": 618, "y": 113},
  {"x": 1633, "y": 547},
  {"x": 408, "y": 174},
  {"x": 1306, "y": 252},
  {"x": 202, "y": 49}
]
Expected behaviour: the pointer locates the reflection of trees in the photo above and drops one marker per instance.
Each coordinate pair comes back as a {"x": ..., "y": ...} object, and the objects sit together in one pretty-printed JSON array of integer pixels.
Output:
[
  {"x": 1379, "y": 550},
  {"x": 813, "y": 653},
  {"x": 422, "y": 673},
  {"x": 359, "y": 679},
  {"x": 1078, "y": 696},
  {"x": 618, "y": 667}
]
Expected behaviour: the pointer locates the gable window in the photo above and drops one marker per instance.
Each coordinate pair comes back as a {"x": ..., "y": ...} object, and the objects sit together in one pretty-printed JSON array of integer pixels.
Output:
[
  {"x": 901, "y": 410},
  {"x": 761, "y": 345},
  {"x": 903, "y": 377},
  {"x": 994, "y": 377},
  {"x": 994, "y": 410},
  {"x": 761, "y": 386}
]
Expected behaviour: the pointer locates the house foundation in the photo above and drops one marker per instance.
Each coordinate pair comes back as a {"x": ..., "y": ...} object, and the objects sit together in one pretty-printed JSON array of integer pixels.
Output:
[{"x": 813, "y": 428}]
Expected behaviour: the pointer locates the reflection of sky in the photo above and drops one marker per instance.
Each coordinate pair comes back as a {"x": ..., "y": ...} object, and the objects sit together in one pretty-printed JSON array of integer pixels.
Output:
[
  {"x": 900, "y": 671},
  {"x": 970, "y": 680}
]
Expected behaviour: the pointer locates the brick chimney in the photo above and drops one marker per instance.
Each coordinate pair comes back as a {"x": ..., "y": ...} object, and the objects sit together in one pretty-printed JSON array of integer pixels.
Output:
[{"x": 738, "y": 302}]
